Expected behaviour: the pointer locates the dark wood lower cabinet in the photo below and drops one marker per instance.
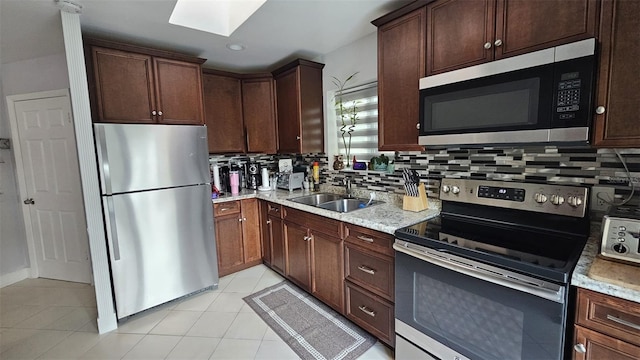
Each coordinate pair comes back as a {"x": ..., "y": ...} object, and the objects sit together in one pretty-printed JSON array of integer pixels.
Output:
[
  {"x": 372, "y": 313},
  {"x": 328, "y": 273},
  {"x": 237, "y": 230},
  {"x": 602, "y": 347},
  {"x": 298, "y": 260}
]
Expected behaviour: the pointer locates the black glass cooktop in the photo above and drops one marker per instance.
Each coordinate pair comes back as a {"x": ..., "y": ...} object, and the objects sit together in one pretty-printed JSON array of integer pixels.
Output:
[{"x": 545, "y": 254}]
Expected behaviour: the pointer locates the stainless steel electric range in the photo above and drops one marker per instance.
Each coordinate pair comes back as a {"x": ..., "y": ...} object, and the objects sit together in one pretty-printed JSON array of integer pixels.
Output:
[{"x": 489, "y": 277}]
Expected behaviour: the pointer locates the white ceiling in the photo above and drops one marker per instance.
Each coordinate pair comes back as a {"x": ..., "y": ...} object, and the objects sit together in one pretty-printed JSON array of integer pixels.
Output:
[{"x": 278, "y": 32}]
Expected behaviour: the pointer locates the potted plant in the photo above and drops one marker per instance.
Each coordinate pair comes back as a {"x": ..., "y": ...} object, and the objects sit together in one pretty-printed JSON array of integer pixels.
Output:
[
  {"x": 380, "y": 163},
  {"x": 347, "y": 113}
]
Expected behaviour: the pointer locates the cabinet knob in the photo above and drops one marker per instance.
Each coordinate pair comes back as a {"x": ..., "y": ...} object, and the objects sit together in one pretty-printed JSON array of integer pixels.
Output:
[
  {"x": 600, "y": 110},
  {"x": 497, "y": 42},
  {"x": 580, "y": 348},
  {"x": 240, "y": 219},
  {"x": 268, "y": 222},
  {"x": 159, "y": 113},
  {"x": 307, "y": 238},
  {"x": 418, "y": 126},
  {"x": 297, "y": 137},
  {"x": 487, "y": 45},
  {"x": 154, "y": 113}
]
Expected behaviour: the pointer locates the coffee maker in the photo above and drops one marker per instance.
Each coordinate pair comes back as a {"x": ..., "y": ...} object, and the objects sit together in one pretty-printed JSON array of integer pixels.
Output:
[{"x": 252, "y": 175}]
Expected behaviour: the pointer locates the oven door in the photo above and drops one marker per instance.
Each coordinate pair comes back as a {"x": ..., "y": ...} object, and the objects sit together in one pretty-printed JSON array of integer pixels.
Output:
[{"x": 452, "y": 307}]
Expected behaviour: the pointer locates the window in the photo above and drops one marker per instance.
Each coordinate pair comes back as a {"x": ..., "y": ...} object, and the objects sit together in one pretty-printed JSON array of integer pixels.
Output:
[{"x": 364, "y": 135}]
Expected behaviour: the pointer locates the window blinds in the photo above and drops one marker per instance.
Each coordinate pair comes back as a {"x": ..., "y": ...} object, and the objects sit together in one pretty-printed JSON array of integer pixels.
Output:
[{"x": 364, "y": 137}]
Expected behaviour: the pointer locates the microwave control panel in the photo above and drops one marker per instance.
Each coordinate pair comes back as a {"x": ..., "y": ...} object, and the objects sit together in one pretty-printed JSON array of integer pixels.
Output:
[
  {"x": 569, "y": 95},
  {"x": 573, "y": 87}
]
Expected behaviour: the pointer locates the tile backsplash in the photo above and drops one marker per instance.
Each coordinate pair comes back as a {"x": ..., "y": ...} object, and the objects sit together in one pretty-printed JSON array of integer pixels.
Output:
[{"x": 543, "y": 164}]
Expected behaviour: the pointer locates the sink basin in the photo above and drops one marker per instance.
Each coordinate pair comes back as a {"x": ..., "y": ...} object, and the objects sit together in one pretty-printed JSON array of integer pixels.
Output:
[
  {"x": 316, "y": 199},
  {"x": 347, "y": 205}
]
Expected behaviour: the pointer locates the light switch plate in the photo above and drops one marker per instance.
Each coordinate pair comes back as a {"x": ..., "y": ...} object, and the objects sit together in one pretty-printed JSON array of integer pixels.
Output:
[{"x": 598, "y": 196}]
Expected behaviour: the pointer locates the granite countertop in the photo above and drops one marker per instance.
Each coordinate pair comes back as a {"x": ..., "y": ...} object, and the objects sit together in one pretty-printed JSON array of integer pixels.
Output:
[
  {"x": 581, "y": 278},
  {"x": 387, "y": 217}
]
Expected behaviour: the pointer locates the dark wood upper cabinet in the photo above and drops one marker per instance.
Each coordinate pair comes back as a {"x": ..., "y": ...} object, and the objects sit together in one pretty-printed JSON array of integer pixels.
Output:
[
  {"x": 462, "y": 33},
  {"x": 300, "y": 107},
  {"x": 401, "y": 64},
  {"x": 618, "y": 78},
  {"x": 223, "y": 112},
  {"x": 456, "y": 33},
  {"x": 131, "y": 84},
  {"x": 259, "y": 113}
]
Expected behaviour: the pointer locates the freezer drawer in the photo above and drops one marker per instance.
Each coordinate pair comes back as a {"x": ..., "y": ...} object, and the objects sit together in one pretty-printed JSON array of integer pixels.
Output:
[
  {"x": 161, "y": 245},
  {"x": 141, "y": 157}
]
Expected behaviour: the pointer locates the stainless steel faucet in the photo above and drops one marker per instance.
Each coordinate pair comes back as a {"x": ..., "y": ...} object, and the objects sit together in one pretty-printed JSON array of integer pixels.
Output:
[{"x": 347, "y": 185}]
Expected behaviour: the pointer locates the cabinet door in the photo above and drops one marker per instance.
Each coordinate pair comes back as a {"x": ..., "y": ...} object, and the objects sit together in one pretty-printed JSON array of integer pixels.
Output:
[
  {"x": 298, "y": 254},
  {"x": 178, "y": 92},
  {"x": 251, "y": 231},
  {"x": 599, "y": 346},
  {"x": 618, "y": 77},
  {"x": 124, "y": 86},
  {"x": 229, "y": 243},
  {"x": 265, "y": 232},
  {"x": 401, "y": 53},
  {"x": 328, "y": 270},
  {"x": 311, "y": 109},
  {"x": 458, "y": 34},
  {"x": 523, "y": 26},
  {"x": 223, "y": 111},
  {"x": 288, "y": 107},
  {"x": 278, "y": 248},
  {"x": 258, "y": 105}
]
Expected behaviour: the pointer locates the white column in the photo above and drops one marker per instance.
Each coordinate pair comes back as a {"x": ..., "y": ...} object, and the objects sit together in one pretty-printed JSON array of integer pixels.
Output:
[{"x": 107, "y": 320}]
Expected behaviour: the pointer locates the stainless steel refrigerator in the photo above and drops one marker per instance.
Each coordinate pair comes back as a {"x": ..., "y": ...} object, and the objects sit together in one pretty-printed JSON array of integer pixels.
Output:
[{"x": 156, "y": 198}]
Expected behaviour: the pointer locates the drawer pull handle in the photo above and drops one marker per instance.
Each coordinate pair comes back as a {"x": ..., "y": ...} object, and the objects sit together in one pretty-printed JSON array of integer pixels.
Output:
[
  {"x": 623, "y": 322},
  {"x": 224, "y": 209},
  {"x": 366, "y": 269},
  {"x": 364, "y": 238},
  {"x": 367, "y": 311}
]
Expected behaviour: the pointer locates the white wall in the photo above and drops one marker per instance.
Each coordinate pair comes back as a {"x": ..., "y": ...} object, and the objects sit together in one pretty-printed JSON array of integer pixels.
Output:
[
  {"x": 41, "y": 74},
  {"x": 359, "y": 56}
]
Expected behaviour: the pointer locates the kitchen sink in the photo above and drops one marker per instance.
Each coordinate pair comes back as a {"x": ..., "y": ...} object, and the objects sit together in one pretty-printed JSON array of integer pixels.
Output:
[
  {"x": 347, "y": 205},
  {"x": 316, "y": 199},
  {"x": 334, "y": 202}
]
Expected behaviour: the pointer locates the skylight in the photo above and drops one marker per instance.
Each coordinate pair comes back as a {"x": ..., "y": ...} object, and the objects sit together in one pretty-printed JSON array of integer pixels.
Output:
[{"x": 220, "y": 17}]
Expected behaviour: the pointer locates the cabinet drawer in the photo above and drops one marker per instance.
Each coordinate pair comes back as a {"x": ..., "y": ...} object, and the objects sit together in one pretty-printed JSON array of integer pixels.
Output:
[
  {"x": 373, "y": 240},
  {"x": 274, "y": 209},
  {"x": 316, "y": 223},
  {"x": 226, "y": 208},
  {"x": 370, "y": 270},
  {"x": 370, "y": 312},
  {"x": 609, "y": 315}
]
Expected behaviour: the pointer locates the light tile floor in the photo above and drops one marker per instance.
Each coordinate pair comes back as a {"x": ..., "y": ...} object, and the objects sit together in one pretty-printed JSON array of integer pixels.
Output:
[{"x": 50, "y": 319}]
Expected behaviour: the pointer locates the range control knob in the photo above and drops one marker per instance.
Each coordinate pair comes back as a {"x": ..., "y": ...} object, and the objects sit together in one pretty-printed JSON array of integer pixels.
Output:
[
  {"x": 455, "y": 190},
  {"x": 446, "y": 188},
  {"x": 574, "y": 201},
  {"x": 619, "y": 248},
  {"x": 557, "y": 199},
  {"x": 540, "y": 198}
]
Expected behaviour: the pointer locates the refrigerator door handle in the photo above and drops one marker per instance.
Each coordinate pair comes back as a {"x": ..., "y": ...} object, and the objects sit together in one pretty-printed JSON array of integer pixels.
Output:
[
  {"x": 103, "y": 159},
  {"x": 112, "y": 231}
]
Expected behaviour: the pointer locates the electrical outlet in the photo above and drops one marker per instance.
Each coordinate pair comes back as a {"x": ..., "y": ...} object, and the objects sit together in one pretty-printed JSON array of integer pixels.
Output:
[{"x": 598, "y": 196}]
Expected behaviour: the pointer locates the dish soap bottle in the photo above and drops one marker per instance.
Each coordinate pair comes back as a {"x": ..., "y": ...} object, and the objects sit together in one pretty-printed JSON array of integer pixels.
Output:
[{"x": 316, "y": 176}]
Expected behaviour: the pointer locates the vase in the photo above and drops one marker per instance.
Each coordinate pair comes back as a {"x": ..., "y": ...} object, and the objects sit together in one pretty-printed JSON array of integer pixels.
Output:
[{"x": 338, "y": 164}]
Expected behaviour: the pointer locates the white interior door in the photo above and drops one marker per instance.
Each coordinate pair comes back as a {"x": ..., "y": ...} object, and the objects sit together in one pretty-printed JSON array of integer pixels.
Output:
[{"x": 54, "y": 194}]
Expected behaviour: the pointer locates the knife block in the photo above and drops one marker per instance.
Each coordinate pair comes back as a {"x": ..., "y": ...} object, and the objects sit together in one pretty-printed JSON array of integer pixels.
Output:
[{"x": 416, "y": 203}]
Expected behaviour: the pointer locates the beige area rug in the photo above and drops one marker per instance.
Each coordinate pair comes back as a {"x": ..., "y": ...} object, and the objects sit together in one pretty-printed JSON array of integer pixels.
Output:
[{"x": 309, "y": 327}]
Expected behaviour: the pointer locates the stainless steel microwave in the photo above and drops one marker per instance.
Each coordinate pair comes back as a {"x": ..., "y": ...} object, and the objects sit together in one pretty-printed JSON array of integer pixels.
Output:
[{"x": 540, "y": 97}]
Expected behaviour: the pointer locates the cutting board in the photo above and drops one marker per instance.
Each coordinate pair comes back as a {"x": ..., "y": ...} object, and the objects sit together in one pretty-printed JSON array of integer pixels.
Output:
[{"x": 624, "y": 275}]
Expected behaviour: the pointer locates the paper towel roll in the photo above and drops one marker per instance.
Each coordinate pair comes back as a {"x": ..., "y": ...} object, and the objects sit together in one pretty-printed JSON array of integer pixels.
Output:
[
  {"x": 216, "y": 177},
  {"x": 265, "y": 177}
]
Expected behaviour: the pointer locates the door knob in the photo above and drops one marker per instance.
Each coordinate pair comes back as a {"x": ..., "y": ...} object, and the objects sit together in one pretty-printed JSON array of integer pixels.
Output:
[{"x": 29, "y": 201}]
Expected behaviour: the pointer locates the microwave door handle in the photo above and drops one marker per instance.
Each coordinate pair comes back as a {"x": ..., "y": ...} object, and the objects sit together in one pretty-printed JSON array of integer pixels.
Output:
[{"x": 510, "y": 282}]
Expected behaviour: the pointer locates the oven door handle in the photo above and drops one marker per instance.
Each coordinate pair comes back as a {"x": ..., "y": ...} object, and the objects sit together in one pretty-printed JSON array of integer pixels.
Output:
[{"x": 501, "y": 277}]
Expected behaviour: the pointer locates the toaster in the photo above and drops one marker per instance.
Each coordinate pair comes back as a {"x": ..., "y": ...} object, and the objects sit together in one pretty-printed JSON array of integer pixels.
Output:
[
  {"x": 621, "y": 235},
  {"x": 290, "y": 180}
]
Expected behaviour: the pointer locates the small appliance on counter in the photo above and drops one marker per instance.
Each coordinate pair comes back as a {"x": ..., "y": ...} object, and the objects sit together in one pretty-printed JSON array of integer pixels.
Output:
[
  {"x": 621, "y": 235},
  {"x": 290, "y": 180},
  {"x": 252, "y": 171}
]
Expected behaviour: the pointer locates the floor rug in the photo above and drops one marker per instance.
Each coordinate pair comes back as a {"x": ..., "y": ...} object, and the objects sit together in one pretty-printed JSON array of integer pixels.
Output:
[{"x": 309, "y": 327}]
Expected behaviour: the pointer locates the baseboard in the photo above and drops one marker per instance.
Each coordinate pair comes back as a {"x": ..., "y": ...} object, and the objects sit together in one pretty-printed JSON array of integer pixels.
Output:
[{"x": 14, "y": 277}]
